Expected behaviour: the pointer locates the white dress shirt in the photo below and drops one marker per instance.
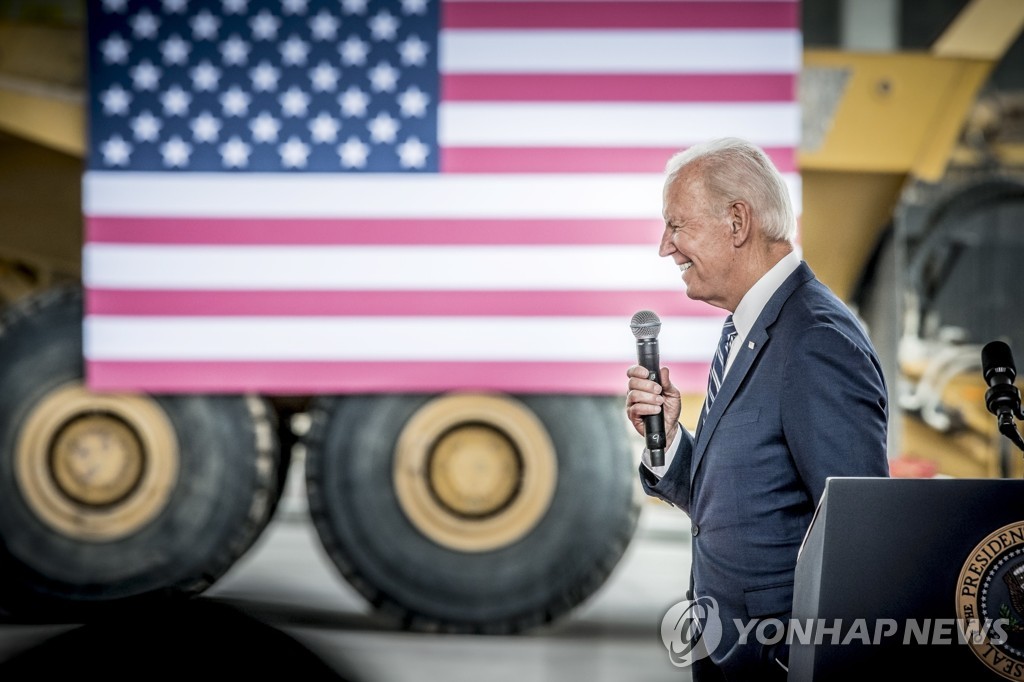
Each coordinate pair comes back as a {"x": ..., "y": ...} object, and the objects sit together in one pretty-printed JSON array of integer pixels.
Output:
[{"x": 747, "y": 312}]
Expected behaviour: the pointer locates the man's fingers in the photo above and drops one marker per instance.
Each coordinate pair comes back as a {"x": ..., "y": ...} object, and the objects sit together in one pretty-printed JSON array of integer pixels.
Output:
[
  {"x": 666, "y": 381},
  {"x": 640, "y": 409},
  {"x": 638, "y": 372},
  {"x": 640, "y": 397}
]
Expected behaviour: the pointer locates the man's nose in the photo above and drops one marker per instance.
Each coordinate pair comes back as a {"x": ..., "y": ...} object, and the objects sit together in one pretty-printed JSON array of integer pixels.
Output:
[{"x": 666, "y": 247}]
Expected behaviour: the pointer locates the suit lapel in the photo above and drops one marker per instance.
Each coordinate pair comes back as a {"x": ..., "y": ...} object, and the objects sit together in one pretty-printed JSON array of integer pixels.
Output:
[{"x": 744, "y": 360}]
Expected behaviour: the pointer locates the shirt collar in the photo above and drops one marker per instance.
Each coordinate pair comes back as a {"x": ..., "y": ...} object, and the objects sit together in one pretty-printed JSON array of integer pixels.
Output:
[{"x": 754, "y": 301}]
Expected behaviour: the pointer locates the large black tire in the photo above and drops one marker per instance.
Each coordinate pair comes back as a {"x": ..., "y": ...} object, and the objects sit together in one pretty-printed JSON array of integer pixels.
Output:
[
  {"x": 431, "y": 585},
  {"x": 213, "y": 477}
]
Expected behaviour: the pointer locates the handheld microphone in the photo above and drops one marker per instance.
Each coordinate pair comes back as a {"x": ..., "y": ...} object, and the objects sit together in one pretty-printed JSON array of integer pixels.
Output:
[
  {"x": 646, "y": 325},
  {"x": 1002, "y": 398}
]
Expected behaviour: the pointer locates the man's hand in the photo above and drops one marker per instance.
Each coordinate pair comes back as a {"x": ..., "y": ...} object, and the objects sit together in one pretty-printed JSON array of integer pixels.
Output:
[{"x": 644, "y": 397}]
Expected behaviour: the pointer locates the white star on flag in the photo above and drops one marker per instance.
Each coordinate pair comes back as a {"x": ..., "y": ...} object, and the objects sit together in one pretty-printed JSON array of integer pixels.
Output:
[
  {"x": 115, "y": 50},
  {"x": 144, "y": 24},
  {"x": 294, "y": 102},
  {"x": 413, "y": 102},
  {"x": 205, "y": 77},
  {"x": 176, "y": 152},
  {"x": 414, "y": 6},
  {"x": 264, "y": 77},
  {"x": 264, "y": 25},
  {"x": 175, "y": 6},
  {"x": 235, "y": 102},
  {"x": 235, "y": 6},
  {"x": 175, "y": 101},
  {"x": 354, "y": 6},
  {"x": 175, "y": 50},
  {"x": 413, "y": 153},
  {"x": 384, "y": 26},
  {"x": 354, "y": 51},
  {"x": 116, "y": 151},
  {"x": 235, "y": 153},
  {"x": 353, "y": 153},
  {"x": 294, "y": 6},
  {"x": 324, "y": 77},
  {"x": 116, "y": 100},
  {"x": 146, "y": 127},
  {"x": 294, "y": 153},
  {"x": 354, "y": 102},
  {"x": 324, "y": 26},
  {"x": 265, "y": 128},
  {"x": 205, "y": 127},
  {"x": 383, "y": 77},
  {"x": 234, "y": 51},
  {"x": 324, "y": 128},
  {"x": 294, "y": 51},
  {"x": 145, "y": 75},
  {"x": 205, "y": 26},
  {"x": 383, "y": 128},
  {"x": 414, "y": 51}
]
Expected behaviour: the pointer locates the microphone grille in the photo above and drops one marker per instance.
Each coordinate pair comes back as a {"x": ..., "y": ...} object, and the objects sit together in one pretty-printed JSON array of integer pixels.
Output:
[
  {"x": 997, "y": 357},
  {"x": 645, "y": 325}
]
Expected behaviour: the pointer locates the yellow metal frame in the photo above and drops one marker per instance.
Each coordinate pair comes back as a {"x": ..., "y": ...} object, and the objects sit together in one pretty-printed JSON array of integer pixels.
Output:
[
  {"x": 42, "y": 75},
  {"x": 899, "y": 115}
]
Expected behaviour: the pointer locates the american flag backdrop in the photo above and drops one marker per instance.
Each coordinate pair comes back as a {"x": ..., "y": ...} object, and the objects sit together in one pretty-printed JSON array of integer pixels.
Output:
[{"x": 407, "y": 195}]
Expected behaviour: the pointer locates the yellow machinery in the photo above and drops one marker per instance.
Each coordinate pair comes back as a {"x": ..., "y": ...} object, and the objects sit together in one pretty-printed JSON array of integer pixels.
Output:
[{"x": 906, "y": 170}]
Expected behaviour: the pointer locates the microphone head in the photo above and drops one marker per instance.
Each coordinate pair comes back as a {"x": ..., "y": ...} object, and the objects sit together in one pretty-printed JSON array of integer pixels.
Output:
[
  {"x": 996, "y": 358},
  {"x": 645, "y": 325}
]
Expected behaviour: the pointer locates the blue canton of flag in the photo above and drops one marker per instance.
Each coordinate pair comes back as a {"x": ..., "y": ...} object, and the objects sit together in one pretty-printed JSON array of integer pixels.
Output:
[{"x": 256, "y": 85}]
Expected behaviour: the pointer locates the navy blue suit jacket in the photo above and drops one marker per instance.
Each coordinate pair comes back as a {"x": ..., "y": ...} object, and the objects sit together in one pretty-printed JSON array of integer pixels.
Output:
[{"x": 804, "y": 400}]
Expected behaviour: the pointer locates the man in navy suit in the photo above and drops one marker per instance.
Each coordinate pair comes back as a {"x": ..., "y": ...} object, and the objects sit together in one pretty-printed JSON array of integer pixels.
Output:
[{"x": 802, "y": 398}]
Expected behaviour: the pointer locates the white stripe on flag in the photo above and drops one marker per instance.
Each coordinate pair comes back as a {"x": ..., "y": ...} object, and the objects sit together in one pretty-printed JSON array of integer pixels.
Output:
[
  {"x": 275, "y": 195},
  {"x": 620, "y": 51},
  {"x": 504, "y": 124},
  {"x": 312, "y": 195},
  {"x": 582, "y": 339},
  {"x": 274, "y": 267}
]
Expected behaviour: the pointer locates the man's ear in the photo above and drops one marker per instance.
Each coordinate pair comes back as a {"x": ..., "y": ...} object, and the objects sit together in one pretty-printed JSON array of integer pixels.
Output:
[{"x": 740, "y": 222}]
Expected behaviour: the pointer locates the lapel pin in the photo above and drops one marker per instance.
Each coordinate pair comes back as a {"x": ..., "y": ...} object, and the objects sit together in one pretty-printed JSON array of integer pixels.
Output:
[{"x": 750, "y": 345}]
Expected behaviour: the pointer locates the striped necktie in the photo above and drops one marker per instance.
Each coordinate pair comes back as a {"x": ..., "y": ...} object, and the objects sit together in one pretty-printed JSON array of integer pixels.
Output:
[{"x": 718, "y": 364}]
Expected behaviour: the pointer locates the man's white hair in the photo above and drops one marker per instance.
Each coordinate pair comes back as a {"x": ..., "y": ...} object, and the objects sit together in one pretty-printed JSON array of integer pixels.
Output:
[{"x": 733, "y": 169}]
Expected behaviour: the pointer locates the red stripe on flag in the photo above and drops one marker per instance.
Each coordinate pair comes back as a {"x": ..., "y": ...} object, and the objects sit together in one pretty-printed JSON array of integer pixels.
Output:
[
  {"x": 285, "y": 378},
  {"x": 618, "y": 88},
  {"x": 596, "y": 15},
  {"x": 307, "y": 231},
  {"x": 575, "y": 160},
  {"x": 394, "y": 303}
]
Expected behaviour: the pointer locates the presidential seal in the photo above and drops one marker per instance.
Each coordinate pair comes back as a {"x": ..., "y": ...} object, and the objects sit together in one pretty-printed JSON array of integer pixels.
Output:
[{"x": 990, "y": 601}]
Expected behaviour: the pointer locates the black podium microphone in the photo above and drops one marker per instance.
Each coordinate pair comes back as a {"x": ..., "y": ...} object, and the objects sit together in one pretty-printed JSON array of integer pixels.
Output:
[
  {"x": 646, "y": 325},
  {"x": 1002, "y": 398}
]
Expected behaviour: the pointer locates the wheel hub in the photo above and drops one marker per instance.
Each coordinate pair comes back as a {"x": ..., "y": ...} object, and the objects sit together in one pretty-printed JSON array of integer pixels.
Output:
[
  {"x": 474, "y": 472},
  {"x": 96, "y": 459},
  {"x": 96, "y": 467}
]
